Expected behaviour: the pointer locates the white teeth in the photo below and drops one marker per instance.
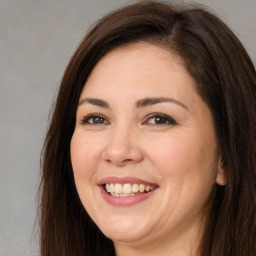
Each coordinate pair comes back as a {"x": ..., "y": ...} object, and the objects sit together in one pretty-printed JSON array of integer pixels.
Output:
[
  {"x": 135, "y": 188},
  {"x": 123, "y": 190},
  {"x": 112, "y": 187},
  {"x": 118, "y": 188},
  {"x": 127, "y": 188},
  {"x": 107, "y": 187},
  {"x": 122, "y": 195},
  {"x": 142, "y": 187}
]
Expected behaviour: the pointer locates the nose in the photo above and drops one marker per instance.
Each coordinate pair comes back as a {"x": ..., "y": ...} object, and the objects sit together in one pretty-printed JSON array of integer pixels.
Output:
[{"x": 122, "y": 148}]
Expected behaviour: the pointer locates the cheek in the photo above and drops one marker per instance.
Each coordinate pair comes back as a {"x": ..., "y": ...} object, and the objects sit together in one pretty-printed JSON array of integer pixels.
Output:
[
  {"x": 84, "y": 157},
  {"x": 186, "y": 157}
]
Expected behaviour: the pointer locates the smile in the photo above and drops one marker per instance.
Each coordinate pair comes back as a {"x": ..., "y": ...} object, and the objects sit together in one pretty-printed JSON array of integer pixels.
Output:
[{"x": 125, "y": 190}]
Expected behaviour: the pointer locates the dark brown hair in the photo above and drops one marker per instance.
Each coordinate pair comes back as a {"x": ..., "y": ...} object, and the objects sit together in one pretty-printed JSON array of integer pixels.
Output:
[{"x": 226, "y": 81}]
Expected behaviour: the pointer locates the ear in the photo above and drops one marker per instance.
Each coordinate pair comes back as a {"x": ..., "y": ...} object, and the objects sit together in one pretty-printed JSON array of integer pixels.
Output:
[{"x": 221, "y": 177}]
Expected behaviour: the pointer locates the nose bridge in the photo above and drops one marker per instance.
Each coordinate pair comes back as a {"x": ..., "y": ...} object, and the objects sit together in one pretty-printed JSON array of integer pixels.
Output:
[{"x": 121, "y": 148}]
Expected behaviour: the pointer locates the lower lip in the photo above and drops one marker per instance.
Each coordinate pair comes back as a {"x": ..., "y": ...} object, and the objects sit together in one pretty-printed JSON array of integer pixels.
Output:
[{"x": 125, "y": 201}]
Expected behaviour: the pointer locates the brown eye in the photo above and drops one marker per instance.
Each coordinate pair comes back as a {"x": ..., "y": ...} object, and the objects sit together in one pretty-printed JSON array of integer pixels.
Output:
[
  {"x": 160, "y": 119},
  {"x": 94, "y": 119}
]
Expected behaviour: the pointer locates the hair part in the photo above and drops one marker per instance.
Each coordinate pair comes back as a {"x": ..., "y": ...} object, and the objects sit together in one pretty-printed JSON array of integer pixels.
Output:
[{"x": 226, "y": 81}]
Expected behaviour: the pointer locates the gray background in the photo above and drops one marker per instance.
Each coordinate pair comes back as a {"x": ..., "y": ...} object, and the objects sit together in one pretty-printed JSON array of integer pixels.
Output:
[{"x": 36, "y": 42}]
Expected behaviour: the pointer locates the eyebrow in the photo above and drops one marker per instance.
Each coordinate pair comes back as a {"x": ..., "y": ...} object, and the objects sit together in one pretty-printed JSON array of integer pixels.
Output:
[
  {"x": 139, "y": 104},
  {"x": 94, "y": 101},
  {"x": 152, "y": 101}
]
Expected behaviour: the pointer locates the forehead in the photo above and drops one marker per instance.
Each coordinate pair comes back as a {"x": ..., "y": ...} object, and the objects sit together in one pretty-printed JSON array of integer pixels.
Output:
[{"x": 140, "y": 67}]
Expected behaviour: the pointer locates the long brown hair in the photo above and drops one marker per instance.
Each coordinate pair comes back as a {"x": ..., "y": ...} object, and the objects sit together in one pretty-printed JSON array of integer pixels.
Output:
[{"x": 226, "y": 81}]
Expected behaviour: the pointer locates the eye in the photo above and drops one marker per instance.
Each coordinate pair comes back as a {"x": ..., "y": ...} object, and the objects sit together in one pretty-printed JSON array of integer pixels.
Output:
[
  {"x": 94, "y": 119},
  {"x": 159, "y": 119}
]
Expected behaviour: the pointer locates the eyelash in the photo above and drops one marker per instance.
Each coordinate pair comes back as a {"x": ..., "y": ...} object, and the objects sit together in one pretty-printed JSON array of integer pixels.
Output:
[
  {"x": 87, "y": 118},
  {"x": 165, "y": 119}
]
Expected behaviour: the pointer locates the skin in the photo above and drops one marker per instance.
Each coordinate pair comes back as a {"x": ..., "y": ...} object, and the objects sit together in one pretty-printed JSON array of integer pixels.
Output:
[{"x": 181, "y": 157}]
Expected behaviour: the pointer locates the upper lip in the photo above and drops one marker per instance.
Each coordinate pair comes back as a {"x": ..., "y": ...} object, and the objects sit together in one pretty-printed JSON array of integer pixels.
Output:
[{"x": 124, "y": 180}]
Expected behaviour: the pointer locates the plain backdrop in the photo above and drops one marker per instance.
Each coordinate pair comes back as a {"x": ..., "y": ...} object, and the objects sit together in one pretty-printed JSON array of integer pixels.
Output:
[{"x": 37, "y": 38}]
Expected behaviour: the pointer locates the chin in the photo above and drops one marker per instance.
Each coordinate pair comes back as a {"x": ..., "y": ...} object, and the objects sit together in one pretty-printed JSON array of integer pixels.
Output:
[{"x": 125, "y": 229}]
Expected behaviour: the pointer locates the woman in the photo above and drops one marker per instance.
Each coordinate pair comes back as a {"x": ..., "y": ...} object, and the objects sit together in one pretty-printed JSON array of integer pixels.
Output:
[{"x": 151, "y": 146}]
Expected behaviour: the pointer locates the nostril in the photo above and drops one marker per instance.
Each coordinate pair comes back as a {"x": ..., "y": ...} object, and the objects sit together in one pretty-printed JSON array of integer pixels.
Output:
[
  {"x": 127, "y": 160},
  {"x": 119, "y": 163}
]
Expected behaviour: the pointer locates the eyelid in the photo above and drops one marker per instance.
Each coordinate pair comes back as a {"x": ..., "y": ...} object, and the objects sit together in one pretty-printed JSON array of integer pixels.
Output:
[
  {"x": 171, "y": 121},
  {"x": 84, "y": 119}
]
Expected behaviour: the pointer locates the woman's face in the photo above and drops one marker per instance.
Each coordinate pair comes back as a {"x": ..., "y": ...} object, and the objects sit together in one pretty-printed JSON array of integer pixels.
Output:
[{"x": 144, "y": 135}]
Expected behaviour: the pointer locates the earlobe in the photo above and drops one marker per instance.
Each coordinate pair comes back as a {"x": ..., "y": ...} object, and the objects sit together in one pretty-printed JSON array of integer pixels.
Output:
[{"x": 221, "y": 178}]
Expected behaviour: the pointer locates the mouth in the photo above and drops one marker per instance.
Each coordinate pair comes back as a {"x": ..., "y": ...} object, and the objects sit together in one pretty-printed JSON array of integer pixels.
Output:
[{"x": 127, "y": 189}]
